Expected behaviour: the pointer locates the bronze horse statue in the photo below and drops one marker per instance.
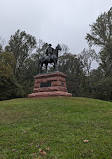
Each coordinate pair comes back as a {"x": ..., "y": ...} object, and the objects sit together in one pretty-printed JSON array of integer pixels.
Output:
[{"x": 53, "y": 58}]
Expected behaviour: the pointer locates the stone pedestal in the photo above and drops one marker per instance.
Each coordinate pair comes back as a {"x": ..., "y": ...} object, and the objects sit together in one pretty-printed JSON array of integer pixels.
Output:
[{"x": 50, "y": 85}]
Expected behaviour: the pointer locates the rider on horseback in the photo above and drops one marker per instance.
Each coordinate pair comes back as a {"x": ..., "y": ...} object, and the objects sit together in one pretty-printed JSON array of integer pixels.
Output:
[
  {"x": 49, "y": 50},
  {"x": 51, "y": 57}
]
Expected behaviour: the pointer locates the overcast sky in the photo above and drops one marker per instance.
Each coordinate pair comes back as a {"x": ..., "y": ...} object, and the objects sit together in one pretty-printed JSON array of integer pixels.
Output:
[{"x": 53, "y": 21}]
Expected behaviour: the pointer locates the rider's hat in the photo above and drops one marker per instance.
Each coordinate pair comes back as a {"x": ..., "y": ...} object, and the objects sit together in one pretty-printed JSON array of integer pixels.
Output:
[{"x": 50, "y": 45}]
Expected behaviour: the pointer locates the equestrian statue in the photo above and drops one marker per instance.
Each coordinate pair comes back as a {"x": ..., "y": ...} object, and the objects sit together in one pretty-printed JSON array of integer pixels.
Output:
[{"x": 51, "y": 56}]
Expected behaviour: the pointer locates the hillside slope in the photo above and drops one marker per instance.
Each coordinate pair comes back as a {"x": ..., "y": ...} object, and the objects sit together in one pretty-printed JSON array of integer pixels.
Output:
[{"x": 55, "y": 128}]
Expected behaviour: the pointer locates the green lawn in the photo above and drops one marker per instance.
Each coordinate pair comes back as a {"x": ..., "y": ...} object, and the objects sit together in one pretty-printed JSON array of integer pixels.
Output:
[{"x": 55, "y": 128}]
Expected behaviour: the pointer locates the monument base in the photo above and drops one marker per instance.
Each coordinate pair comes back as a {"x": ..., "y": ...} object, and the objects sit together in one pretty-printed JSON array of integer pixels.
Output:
[{"x": 50, "y": 85}]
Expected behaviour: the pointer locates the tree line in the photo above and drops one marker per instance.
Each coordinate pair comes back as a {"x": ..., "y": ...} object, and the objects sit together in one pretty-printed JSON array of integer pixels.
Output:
[{"x": 19, "y": 63}]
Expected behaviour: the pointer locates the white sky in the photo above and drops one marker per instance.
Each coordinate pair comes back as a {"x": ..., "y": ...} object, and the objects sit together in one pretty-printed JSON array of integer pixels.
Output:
[{"x": 53, "y": 21}]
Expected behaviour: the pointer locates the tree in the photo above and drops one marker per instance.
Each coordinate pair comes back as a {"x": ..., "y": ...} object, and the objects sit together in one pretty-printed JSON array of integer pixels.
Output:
[
  {"x": 87, "y": 57},
  {"x": 101, "y": 35},
  {"x": 1, "y": 48},
  {"x": 21, "y": 45},
  {"x": 9, "y": 88},
  {"x": 64, "y": 49},
  {"x": 99, "y": 86},
  {"x": 29, "y": 70},
  {"x": 72, "y": 67},
  {"x": 101, "y": 30},
  {"x": 8, "y": 59},
  {"x": 2, "y": 42}
]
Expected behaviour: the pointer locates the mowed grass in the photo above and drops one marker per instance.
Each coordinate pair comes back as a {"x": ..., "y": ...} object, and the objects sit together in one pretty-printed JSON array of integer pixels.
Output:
[{"x": 55, "y": 128}]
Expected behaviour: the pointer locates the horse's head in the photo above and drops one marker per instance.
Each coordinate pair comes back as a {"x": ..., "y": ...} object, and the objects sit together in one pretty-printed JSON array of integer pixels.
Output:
[{"x": 58, "y": 47}]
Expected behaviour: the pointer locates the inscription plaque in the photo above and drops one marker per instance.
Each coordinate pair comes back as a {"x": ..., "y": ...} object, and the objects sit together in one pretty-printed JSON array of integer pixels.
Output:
[{"x": 47, "y": 84}]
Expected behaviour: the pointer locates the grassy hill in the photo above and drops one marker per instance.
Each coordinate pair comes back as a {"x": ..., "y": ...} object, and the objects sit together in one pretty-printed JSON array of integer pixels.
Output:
[{"x": 55, "y": 128}]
